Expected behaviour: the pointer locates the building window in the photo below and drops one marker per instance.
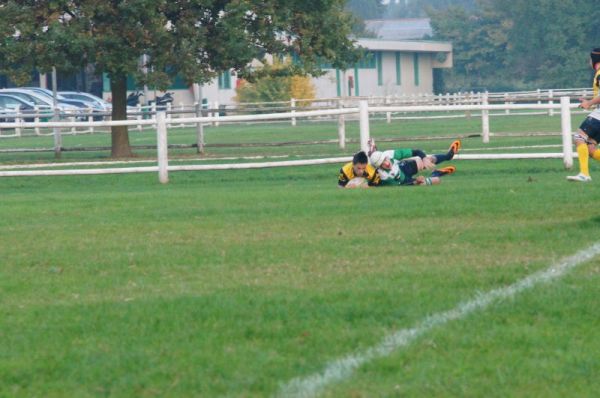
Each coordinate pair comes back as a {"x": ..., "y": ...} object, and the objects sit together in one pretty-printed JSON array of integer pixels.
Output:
[
  {"x": 368, "y": 61},
  {"x": 338, "y": 81},
  {"x": 416, "y": 68},
  {"x": 379, "y": 68},
  {"x": 225, "y": 81},
  {"x": 398, "y": 69}
]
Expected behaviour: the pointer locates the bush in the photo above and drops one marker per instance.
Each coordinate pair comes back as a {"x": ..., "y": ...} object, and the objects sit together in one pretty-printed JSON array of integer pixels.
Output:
[{"x": 271, "y": 87}]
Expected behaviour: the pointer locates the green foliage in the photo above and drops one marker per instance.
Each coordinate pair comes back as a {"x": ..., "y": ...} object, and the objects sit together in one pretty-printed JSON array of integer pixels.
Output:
[
  {"x": 193, "y": 39},
  {"x": 504, "y": 45},
  {"x": 418, "y": 8},
  {"x": 266, "y": 89},
  {"x": 364, "y": 9},
  {"x": 272, "y": 82}
]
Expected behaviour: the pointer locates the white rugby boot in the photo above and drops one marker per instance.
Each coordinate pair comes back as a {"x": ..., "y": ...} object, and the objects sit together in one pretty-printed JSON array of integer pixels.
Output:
[{"x": 580, "y": 178}]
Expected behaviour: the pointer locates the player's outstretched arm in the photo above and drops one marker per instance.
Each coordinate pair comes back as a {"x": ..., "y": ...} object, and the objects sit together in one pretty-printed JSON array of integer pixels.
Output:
[{"x": 587, "y": 104}]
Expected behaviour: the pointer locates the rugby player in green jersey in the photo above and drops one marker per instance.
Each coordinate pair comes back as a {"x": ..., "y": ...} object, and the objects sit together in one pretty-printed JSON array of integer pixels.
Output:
[{"x": 401, "y": 166}]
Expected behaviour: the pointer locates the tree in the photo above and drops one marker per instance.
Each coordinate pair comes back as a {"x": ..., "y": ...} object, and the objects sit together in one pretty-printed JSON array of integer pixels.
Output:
[
  {"x": 196, "y": 39},
  {"x": 366, "y": 9},
  {"x": 518, "y": 44},
  {"x": 418, "y": 8},
  {"x": 478, "y": 40}
]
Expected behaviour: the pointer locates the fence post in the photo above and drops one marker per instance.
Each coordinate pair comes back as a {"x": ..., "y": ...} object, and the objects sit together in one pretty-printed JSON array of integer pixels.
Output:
[
  {"x": 567, "y": 139},
  {"x": 363, "y": 106},
  {"x": 91, "y": 119},
  {"x": 36, "y": 119},
  {"x": 161, "y": 147},
  {"x": 293, "y": 106},
  {"x": 18, "y": 121},
  {"x": 199, "y": 129},
  {"x": 199, "y": 126},
  {"x": 153, "y": 108},
  {"x": 139, "y": 116},
  {"x": 57, "y": 136},
  {"x": 507, "y": 111},
  {"x": 551, "y": 95},
  {"x": 341, "y": 126},
  {"x": 485, "y": 120},
  {"x": 215, "y": 106},
  {"x": 169, "y": 115},
  {"x": 182, "y": 114},
  {"x": 72, "y": 119}
]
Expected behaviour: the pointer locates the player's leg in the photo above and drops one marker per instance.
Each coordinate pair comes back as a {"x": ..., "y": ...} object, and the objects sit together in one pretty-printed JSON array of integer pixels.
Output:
[
  {"x": 410, "y": 168},
  {"x": 372, "y": 146},
  {"x": 583, "y": 158},
  {"x": 443, "y": 171},
  {"x": 443, "y": 157},
  {"x": 589, "y": 129},
  {"x": 422, "y": 180}
]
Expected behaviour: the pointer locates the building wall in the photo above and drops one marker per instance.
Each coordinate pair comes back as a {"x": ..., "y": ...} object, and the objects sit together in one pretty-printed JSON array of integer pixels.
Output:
[
  {"x": 369, "y": 82},
  {"x": 376, "y": 78}
]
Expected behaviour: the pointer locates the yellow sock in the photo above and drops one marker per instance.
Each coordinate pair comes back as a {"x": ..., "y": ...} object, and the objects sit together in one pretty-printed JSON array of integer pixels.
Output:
[
  {"x": 596, "y": 155},
  {"x": 584, "y": 155}
]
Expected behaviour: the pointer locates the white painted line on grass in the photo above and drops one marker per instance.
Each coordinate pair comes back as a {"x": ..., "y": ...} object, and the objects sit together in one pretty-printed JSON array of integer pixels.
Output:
[{"x": 342, "y": 368}]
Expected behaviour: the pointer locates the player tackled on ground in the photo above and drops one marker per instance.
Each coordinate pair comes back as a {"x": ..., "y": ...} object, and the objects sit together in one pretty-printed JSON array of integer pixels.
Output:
[
  {"x": 588, "y": 136},
  {"x": 401, "y": 166},
  {"x": 358, "y": 173}
]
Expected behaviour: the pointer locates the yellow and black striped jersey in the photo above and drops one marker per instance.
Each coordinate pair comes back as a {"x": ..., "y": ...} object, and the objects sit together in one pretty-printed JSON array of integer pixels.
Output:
[{"x": 347, "y": 173}]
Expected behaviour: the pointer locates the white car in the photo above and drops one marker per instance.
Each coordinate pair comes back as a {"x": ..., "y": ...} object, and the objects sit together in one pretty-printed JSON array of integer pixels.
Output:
[
  {"x": 40, "y": 100},
  {"x": 98, "y": 102}
]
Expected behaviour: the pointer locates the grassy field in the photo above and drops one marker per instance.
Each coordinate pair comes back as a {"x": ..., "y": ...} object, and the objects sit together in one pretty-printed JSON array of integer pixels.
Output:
[{"x": 234, "y": 283}]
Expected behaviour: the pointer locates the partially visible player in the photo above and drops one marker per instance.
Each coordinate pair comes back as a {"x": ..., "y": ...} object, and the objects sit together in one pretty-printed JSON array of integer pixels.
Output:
[
  {"x": 588, "y": 136},
  {"x": 353, "y": 174},
  {"x": 401, "y": 166}
]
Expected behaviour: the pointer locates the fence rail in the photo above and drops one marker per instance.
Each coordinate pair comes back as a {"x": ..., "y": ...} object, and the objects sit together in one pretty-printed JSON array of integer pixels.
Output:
[
  {"x": 144, "y": 117},
  {"x": 363, "y": 111}
]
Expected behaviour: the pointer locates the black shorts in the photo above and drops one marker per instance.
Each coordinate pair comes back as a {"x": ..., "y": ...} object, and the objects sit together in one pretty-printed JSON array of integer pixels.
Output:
[
  {"x": 409, "y": 169},
  {"x": 591, "y": 127}
]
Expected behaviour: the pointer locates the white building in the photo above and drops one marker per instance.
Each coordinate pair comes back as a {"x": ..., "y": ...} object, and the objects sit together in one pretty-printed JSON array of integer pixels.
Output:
[
  {"x": 392, "y": 67},
  {"x": 399, "y": 62}
]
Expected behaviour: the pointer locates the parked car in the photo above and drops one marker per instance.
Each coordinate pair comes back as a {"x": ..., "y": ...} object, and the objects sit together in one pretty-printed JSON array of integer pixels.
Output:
[
  {"x": 9, "y": 104},
  {"x": 98, "y": 102},
  {"x": 61, "y": 99},
  {"x": 41, "y": 100}
]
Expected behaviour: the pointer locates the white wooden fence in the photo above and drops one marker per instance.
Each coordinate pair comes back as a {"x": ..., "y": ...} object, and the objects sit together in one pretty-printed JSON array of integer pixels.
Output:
[
  {"x": 177, "y": 114},
  {"x": 364, "y": 112}
]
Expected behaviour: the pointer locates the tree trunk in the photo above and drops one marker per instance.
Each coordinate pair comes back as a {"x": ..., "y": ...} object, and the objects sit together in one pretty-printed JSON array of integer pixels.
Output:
[{"x": 119, "y": 134}]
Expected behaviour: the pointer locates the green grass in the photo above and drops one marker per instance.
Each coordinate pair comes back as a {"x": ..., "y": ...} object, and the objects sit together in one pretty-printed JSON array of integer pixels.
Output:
[{"x": 233, "y": 283}]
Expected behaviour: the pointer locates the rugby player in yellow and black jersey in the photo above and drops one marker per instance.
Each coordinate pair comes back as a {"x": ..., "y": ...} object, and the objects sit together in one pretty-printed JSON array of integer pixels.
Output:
[
  {"x": 588, "y": 136},
  {"x": 359, "y": 167}
]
